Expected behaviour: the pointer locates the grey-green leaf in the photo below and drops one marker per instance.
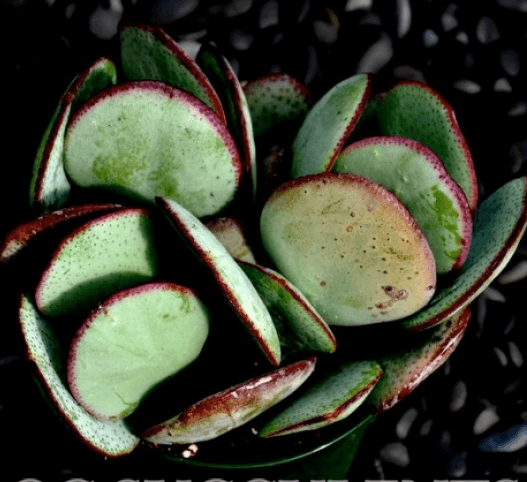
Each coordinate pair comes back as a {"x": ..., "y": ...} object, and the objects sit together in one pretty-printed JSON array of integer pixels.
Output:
[
  {"x": 328, "y": 124},
  {"x": 276, "y": 102},
  {"x": 230, "y": 91},
  {"x": 405, "y": 369},
  {"x": 415, "y": 110},
  {"x": 299, "y": 325},
  {"x": 328, "y": 400},
  {"x": 224, "y": 411},
  {"x": 145, "y": 139},
  {"x": 49, "y": 187},
  {"x": 498, "y": 227},
  {"x": 230, "y": 278},
  {"x": 149, "y": 53},
  {"x": 418, "y": 178}
]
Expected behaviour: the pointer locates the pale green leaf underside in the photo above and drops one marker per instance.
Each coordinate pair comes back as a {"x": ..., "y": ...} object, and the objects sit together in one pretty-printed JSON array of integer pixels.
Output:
[
  {"x": 135, "y": 340},
  {"x": 113, "y": 252},
  {"x": 146, "y": 140},
  {"x": 110, "y": 438}
]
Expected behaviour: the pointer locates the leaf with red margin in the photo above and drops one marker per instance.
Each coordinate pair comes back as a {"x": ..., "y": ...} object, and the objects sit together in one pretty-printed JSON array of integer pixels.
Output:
[
  {"x": 149, "y": 53},
  {"x": 50, "y": 188},
  {"x": 111, "y": 439},
  {"x": 405, "y": 370},
  {"x": 413, "y": 109},
  {"x": 231, "y": 408}
]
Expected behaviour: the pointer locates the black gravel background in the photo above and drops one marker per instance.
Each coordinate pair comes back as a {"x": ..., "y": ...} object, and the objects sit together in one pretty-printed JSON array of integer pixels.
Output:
[{"x": 467, "y": 421}]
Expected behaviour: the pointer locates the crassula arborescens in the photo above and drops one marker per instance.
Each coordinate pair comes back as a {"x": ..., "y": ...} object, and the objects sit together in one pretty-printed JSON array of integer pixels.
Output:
[{"x": 176, "y": 231}]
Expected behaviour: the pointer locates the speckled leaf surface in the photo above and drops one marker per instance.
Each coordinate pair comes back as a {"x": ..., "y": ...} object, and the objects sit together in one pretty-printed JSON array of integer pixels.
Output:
[
  {"x": 231, "y": 279},
  {"x": 22, "y": 235},
  {"x": 49, "y": 187},
  {"x": 149, "y": 53},
  {"x": 328, "y": 124},
  {"x": 131, "y": 342},
  {"x": 229, "y": 89},
  {"x": 498, "y": 227},
  {"x": 112, "y": 252},
  {"x": 145, "y": 139},
  {"x": 328, "y": 400},
  {"x": 298, "y": 323},
  {"x": 418, "y": 178},
  {"x": 350, "y": 246},
  {"x": 405, "y": 370},
  {"x": 231, "y": 408},
  {"x": 111, "y": 439},
  {"x": 276, "y": 101},
  {"x": 415, "y": 110}
]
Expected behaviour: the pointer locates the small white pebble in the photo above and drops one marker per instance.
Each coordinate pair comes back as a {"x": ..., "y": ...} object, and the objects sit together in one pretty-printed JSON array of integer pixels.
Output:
[
  {"x": 502, "y": 358},
  {"x": 514, "y": 274},
  {"x": 357, "y": 5},
  {"x": 458, "y": 397},
  {"x": 494, "y": 295},
  {"x": 268, "y": 14},
  {"x": 405, "y": 423},
  {"x": 515, "y": 354},
  {"x": 486, "y": 30},
  {"x": 405, "y": 18},
  {"x": 426, "y": 428},
  {"x": 502, "y": 85},
  {"x": 430, "y": 38},
  {"x": 468, "y": 86},
  {"x": 395, "y": 453},
  {"x": 462, "y": 37},
  {"x": 486, "y": 419},
  {"x": 377, "y": 56}
]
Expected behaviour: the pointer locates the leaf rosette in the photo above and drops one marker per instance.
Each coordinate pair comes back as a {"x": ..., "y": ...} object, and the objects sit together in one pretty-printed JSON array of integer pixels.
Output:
[{"x": 280, "y": 267}]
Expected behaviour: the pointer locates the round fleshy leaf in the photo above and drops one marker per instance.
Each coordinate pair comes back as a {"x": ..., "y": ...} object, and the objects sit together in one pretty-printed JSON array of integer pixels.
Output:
[
  {"x": 115, "y": 251},
  {"x": 298, "y": 323},
  {"x": 418, "y": 178},
  {"x": 111, "y": 439},
  {"x": 224, "y": 411},
  {"x": 405, "y": 369},
  {"x": 232, "y": 234},
  {"x": 134, "y": 340},
  {"x": 149, "y": 53},
  {"x": 415, "y": 110},
  {"x": 224, "y": 80},
  {"x": 328, "y": 124},
  {"x": 21, "y": 236},
  {"x": 350, "y": 246},
  {"x": 230, "y": 278},
  {"x": 276, "y": 101},
  {"x": 145, "y": 139},
  {"x": 50, "y": 188},
  {"x": 330, "y": 399},
  {"x": 498, "y": 227}
]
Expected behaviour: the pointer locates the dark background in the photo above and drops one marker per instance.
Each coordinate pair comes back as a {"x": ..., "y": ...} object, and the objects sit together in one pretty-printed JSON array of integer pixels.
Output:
[{"x": 474, "y": 53}]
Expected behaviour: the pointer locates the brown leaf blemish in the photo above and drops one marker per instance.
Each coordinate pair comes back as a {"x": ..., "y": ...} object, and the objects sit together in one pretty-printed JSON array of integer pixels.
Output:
[{"x": 394, "y": 293}]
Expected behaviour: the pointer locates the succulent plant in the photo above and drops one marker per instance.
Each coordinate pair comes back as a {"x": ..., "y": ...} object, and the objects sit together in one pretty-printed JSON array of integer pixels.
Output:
[{"x": 189, "y": 254}]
